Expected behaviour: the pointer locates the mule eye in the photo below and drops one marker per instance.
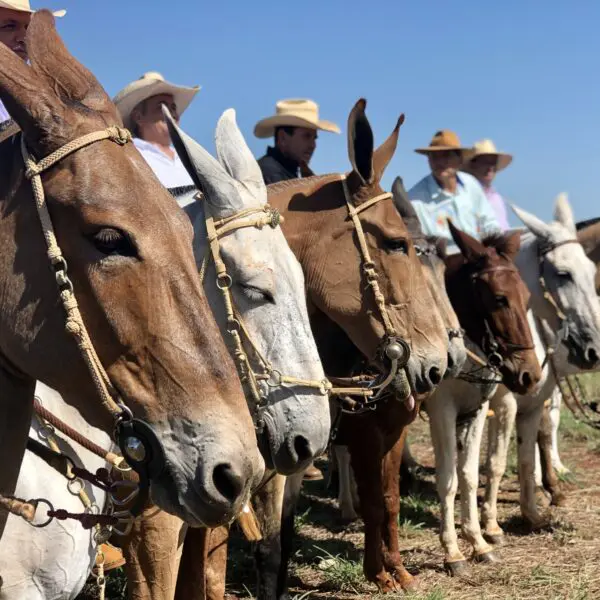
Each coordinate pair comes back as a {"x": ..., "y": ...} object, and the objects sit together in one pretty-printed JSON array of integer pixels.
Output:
[
  {"x": 112, "y": 242},
  {"x": 565, "y": 275},
  {"x": 399, "y": 245},
  {"x": 256, "y": 294},
  {"x": 501, "y": 302}
]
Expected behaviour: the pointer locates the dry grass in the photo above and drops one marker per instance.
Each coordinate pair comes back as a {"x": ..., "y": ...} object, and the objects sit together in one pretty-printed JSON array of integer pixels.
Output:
[{"x": 560, "y": 563}]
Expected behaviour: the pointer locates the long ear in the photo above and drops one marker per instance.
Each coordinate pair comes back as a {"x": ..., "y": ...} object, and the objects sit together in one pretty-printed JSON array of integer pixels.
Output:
[
  {"x": 217, "y": 185},
  {"x": 469, "y": 247},
  {"x": 360, "y": 142},
  {"x": 563, "y": 213},
  {"x": 25, "y": 97},
  {"x": 535, "y": 225},
  {"x": 510, "y": 244},
  {"x": 402, "y": 201},
  {"x": 69, "y": 79},
  {"x": 383, "y": 154},
  {"x": 233, "y": 153}
]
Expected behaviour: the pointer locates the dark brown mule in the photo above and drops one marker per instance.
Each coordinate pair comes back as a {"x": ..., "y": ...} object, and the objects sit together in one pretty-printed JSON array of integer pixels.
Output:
[
  {"x": 129, "y": 251},
  {"x": 490, "y": 299},
  {"x": 349, "y": 332}
]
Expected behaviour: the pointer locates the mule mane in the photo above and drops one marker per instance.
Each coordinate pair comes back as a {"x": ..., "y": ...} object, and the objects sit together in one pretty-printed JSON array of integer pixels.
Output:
[{"x": 292, "y": 184}]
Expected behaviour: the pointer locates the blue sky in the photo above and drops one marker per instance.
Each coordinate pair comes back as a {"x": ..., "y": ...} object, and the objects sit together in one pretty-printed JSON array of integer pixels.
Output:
[{"x": 522, "y": 73}]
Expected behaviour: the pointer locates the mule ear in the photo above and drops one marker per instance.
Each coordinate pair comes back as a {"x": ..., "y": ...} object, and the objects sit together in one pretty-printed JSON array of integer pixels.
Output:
[
  {"x": 360, "y": 142},
  {"x": 209, "y": 176},
  {"x": 235, "y": 156},
  {"x": 563, "y": 213},
  {"x": 402, "y": 201},
  {"x": 25, "y": 97},
  {"x": 383, "y": 154},
  {"x": 510, "y": 244},
  {"x": 536, "y": 226},
  {"x": 69, "y": 79},
  {"x": 469, "y": 247},
  {"x": 441, "y": 245}
]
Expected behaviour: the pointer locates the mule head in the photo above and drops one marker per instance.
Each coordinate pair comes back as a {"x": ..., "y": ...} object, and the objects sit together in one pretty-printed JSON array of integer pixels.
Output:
[
  {"x": 267, "y": 286},
  {"x": 431, "y": 251},
  {"x": 129, "y": 252},
  {"x": 324, "y": 236},
  {"x": 490, "y": 299},
  {"x": 569, "y": 276}
]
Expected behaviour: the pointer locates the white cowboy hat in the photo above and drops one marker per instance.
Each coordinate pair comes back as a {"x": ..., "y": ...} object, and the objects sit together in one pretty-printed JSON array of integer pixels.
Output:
[
  {"x": 294, "y": 112},
  {"x": 148, "y": 85},
  {"x": 487, "y": 147},
  {"x": 23, "y": 6}
]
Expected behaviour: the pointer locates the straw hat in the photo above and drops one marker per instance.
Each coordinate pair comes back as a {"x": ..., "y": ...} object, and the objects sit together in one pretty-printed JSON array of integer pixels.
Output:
[
  {"x": 23, "y": 6},
  {"x": 294, "y": 112},
  {"x": 488, "y": 148},
  {"x": 148, "y": 85},
  {"x": 443, "y": 140}
]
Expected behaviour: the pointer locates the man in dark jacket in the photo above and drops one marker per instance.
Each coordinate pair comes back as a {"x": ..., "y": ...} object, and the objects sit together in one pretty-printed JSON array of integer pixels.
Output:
[{"x": 294, "y": 128}]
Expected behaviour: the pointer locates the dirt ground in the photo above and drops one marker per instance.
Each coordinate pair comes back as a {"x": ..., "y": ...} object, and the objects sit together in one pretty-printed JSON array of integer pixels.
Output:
[{"x": 559, "y": 563}]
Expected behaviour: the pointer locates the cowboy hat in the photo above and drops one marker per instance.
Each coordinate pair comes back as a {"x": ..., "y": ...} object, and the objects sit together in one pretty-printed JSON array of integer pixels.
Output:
[
  {"x": 488, "y": 148},
  {"x": 294, "y": 112},
  {"x": 23, "y": 6},
  {"x": 443, "y": 140},
  {"x": 148, "y": 85}
]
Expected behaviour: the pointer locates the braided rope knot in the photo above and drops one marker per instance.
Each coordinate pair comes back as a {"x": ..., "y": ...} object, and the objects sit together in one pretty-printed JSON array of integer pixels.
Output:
[
  {"x": 73, "y": 327},
  {"x": 119, "y": 135}
]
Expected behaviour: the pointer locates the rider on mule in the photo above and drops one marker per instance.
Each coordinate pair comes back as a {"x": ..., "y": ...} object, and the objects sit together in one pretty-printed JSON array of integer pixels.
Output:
[
  {"x": 14, "y": 20},
  {"x": 484, "y": 161},
  {"x": 140, "y": 105},
  {"x": 294, "y": 128},
  {"x": 450, "y": 193}
]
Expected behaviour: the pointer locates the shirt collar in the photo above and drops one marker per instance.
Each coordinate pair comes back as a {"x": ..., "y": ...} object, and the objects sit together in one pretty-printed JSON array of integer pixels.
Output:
[
  {"x": 435, "y": 191},
  {"x": 289, "y": 164},
  {"x": 140, "y": 143}
]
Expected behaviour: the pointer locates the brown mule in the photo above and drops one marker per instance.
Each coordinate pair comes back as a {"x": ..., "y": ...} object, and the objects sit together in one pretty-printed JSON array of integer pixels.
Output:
[{"x": 128, "y": 248}]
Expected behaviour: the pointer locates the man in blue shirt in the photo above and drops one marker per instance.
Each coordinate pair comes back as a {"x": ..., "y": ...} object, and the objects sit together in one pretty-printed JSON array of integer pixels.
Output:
[{"x": 450, "y": 193}]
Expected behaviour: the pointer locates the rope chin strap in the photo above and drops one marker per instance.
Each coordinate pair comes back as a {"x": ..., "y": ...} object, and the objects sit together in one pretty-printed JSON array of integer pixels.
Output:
[{"x": 269, "y": 376}]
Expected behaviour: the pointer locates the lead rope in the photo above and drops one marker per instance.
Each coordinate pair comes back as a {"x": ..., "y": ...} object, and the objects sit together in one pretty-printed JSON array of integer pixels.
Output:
[
  {"x": 76, "y": 486},
  {"x": 74, "y": 324}
]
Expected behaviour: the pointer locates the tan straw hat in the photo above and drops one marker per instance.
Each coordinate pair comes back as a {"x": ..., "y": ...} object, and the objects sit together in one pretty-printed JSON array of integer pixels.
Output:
[
  {"x": 442, "y": 140},
  {"x": 23, "y": 6},
  {"x": 148, "y": 85},
  {"x": 488, "y": 148},
  {"x": 294, "y": 112}
]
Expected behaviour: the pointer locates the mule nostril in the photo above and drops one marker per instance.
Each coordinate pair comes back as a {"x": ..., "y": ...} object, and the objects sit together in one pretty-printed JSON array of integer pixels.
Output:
[
  {"x": 435, "y": 375},
  {"x": 526, "y": 379},
  {"x": 450, "y": 361},
  {"x": 228, "y": 483},
  {"x": 591, "y": 356},
  {"x": 302, "y": 448}
]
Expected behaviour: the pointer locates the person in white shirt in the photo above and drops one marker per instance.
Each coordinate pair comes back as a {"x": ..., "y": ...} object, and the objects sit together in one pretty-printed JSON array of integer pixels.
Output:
[
  {"x": 14, "y": 20},
  {"x": 140, "y": 105}
]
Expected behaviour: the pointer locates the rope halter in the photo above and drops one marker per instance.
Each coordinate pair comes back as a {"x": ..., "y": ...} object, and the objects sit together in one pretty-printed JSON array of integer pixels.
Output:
[
  {"x": 139, "y": 444},
  {"x": 237, "y": 330}
]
